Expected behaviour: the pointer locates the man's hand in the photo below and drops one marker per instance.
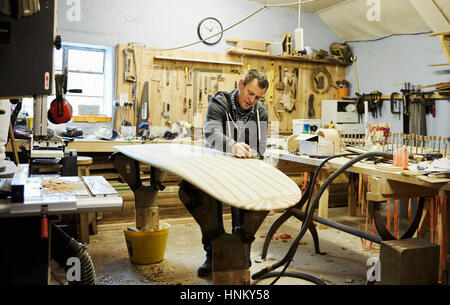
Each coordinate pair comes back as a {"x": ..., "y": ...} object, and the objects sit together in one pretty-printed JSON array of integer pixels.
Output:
[{"x": 241, "y": 150}]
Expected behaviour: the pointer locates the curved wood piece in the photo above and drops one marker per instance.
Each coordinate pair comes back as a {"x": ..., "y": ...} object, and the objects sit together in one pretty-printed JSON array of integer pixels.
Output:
[
  {"x": 380, "y": 224},
  {"x": 249, "y": 184}
]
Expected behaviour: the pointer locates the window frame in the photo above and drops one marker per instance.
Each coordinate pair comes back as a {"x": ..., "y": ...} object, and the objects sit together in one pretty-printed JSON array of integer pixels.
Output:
[{"x": 106, "y": 109}]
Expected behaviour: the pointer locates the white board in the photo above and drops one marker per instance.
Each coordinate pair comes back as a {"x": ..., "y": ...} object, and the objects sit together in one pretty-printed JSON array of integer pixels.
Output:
[{"x": 244, "y": 183}]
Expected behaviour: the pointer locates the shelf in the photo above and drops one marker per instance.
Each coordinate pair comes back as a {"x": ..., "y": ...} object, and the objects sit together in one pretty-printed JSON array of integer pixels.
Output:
[
  {"x": 240, "y": 52},
  {"x": 199, "y": 60}
]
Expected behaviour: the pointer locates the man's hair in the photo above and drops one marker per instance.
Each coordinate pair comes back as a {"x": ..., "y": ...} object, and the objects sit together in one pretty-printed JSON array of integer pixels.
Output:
[{"x": 263, "y": 83}]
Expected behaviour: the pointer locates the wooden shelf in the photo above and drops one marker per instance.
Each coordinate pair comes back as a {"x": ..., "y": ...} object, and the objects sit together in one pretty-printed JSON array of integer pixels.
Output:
[
  {"x": 239, "y": 52},
  {"x": 199, "y": 60}
]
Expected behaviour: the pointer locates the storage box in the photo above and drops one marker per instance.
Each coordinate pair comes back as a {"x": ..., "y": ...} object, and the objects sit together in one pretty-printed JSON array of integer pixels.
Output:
[{"x": 313, "y": 145}]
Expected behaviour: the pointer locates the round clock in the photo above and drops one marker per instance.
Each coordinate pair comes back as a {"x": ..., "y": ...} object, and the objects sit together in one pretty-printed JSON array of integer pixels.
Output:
[{"x": 207, "y": 28}]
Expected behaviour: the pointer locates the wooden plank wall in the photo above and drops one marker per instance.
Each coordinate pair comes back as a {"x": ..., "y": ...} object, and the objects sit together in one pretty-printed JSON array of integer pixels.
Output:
[{"x": 174, "y": 94}]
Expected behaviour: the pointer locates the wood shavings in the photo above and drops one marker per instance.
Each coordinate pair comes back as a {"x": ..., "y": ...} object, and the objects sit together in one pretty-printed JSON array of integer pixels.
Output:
[{"x": 58, "y": 185}]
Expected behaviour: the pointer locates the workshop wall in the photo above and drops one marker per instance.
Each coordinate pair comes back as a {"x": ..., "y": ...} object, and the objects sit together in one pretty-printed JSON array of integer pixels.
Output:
[
  {"x": 384, "y": 64},
  {"x": 171, "y": 23}
]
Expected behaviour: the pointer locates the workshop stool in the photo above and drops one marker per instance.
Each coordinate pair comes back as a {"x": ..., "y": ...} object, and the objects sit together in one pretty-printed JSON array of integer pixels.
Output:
[
  {"x": 84, "y": 164},
  {"x": 88, "y": 221}
]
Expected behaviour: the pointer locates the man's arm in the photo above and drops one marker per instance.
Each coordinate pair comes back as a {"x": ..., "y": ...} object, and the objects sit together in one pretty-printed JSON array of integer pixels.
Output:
[{"x": 215, "y": 124}]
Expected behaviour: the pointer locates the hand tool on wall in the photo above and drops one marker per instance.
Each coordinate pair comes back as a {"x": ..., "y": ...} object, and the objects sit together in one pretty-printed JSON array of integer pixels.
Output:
[
  {"x": 195, "y": 96},
  {"x": 236, "y": 76},
  {"x": 168, "y": 76},
  {"x": 154, "y": 79},
  {"x": 280, "y": 84},
  {"x": 177, "y": 76},
  {"x": 189, "y": 75},
  {"x": 129, "y": 57},
  {"x": 144, "y": 109},
  {"x": 219, "y": 78},
  {"x": 135, "y": 103},
  {"x": 200, "y": 88},
  {"x": 296, "y": 83},
  {"x": 355, "y": 72},
  {"x": 272, "y": 81},
  {"x": 406, "y": 91},
  {"x": 184, "y": 105},
  {"x": 395, "y": 105},
  {"x": 190, "y": 111},
  {"x": 166, "y": 113}
]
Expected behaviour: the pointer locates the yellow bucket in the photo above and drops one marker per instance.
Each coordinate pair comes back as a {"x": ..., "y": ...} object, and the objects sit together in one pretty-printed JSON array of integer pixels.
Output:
[{"x": 147, "y": 247}]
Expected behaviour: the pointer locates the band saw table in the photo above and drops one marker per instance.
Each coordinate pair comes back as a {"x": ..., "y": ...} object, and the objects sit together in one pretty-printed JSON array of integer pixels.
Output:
[
  {"x": 27, "y": 214},
  {"x": 249, "y": 184}
]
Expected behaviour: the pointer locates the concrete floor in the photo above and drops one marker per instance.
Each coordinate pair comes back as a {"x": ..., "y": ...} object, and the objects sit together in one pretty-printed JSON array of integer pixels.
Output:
[{"x": 345, "y": 261}]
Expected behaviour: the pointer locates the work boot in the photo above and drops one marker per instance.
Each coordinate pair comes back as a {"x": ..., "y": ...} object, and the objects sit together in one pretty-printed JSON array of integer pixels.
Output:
[{"x": 206, "y": 268}]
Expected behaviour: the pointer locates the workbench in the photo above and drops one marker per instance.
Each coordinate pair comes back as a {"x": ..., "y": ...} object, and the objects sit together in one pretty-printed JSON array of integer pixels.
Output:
[
  {"x": 384, "y": 185},
  {"x": 104, "y": 146}
]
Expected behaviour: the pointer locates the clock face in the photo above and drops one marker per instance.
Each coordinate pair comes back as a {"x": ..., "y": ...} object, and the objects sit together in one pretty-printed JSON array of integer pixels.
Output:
[{"x": 207, "y": 28}]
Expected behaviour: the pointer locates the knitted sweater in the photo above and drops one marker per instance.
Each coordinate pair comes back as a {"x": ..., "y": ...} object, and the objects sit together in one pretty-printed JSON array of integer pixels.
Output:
[{"x": 227, "y": 124}]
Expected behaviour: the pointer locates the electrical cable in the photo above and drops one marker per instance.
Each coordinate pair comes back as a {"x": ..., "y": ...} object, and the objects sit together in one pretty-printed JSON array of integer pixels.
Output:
[
  {"x": 387, "y": 36},
  {"x": 309, "y": 212},
  {"x": 235, "y": 24},
  {"x": 305, "y": 225}
]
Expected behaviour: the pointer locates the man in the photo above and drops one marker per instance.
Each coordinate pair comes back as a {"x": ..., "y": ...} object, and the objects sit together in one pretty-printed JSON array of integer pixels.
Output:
[{"x": 235, "y": 123}]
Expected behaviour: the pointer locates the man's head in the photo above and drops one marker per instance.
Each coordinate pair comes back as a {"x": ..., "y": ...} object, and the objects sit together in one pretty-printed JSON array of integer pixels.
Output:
[{"x": 251, "y": 88}]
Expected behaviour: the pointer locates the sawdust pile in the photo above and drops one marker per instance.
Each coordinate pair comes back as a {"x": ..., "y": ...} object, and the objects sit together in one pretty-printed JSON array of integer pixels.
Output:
[{"x": 56, "y": 185}]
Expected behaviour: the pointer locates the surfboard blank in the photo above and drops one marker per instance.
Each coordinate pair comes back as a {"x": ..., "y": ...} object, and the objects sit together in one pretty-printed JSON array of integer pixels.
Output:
[{"x": 244, "y": 183}]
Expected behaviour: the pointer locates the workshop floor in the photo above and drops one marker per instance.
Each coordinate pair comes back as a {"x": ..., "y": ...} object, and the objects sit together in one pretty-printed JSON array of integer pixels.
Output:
[{"x": 345, "y": 261}]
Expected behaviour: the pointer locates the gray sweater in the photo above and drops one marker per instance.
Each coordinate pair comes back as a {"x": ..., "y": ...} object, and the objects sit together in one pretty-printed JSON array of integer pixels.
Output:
[{"x": 223, "y": 127}]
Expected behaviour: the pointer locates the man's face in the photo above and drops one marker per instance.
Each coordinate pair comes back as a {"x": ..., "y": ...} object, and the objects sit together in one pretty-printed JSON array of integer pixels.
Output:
[{"x": 249, "y": 94}]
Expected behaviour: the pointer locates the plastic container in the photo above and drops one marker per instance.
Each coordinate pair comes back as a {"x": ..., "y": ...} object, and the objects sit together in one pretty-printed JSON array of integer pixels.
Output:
[
  {"x": 401, "y": 156},
  {"x": 147, "y": 247},
  {"x": 341, "y": 93}
]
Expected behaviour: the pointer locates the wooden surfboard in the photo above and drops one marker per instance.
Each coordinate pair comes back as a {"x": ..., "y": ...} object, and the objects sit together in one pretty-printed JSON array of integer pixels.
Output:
[{"x": 249, "y": 184}]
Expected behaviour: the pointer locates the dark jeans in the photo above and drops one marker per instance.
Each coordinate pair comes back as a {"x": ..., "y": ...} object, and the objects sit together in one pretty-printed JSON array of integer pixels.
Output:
[{"x": 234, "y": 223}]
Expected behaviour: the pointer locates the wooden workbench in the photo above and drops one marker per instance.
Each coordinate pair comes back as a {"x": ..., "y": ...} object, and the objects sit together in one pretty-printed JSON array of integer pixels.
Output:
[
  {"x": 104, "y": 146},
  {"x": 384, "y": 185}
]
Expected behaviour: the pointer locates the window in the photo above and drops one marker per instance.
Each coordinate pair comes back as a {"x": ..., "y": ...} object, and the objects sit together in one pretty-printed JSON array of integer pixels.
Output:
[{"x": 89, "y": 69}]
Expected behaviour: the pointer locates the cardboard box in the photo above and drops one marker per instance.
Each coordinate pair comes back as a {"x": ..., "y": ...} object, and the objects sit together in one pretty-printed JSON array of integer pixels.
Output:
[{"x": 314, "y": 145}]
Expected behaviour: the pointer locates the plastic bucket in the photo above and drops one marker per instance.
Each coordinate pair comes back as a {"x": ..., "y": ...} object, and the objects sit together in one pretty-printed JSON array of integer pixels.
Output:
[{"x": 147, "y": 247}]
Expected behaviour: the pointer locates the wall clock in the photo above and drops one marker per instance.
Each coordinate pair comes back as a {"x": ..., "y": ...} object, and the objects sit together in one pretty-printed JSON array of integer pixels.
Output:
[{"x": 208, "y": 27}]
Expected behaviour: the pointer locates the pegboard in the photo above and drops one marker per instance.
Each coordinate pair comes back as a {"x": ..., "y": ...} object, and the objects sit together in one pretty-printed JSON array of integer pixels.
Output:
[{"x": 174, "y": 76}]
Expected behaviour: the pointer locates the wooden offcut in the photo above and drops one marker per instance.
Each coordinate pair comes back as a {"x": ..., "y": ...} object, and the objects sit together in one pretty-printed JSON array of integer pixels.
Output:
[{"x": 250, "y": 44}]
